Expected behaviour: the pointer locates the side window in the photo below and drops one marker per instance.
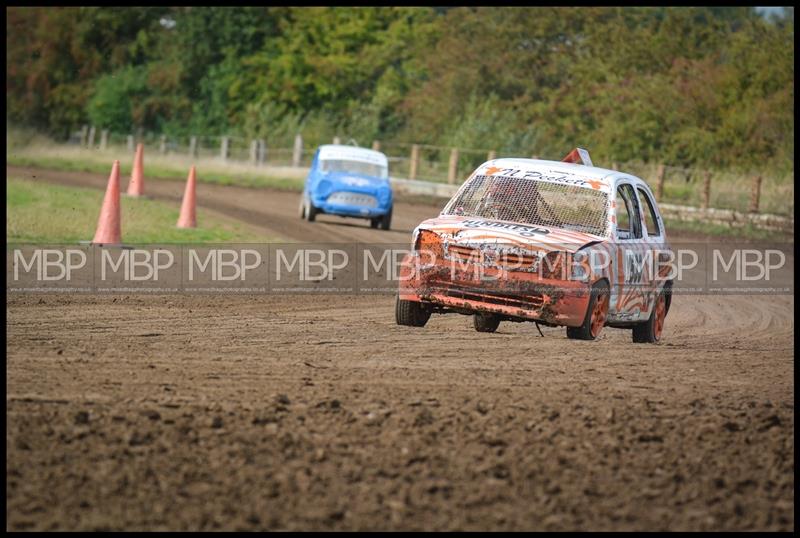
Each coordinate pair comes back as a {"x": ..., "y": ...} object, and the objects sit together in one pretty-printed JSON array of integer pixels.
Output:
[
  {"x": 628, "y": 223},
  {"x": 650, "y": 220}
]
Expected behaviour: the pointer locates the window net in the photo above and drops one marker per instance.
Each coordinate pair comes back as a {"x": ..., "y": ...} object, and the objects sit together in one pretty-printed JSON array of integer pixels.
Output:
[{"x": 530, "y": 201}]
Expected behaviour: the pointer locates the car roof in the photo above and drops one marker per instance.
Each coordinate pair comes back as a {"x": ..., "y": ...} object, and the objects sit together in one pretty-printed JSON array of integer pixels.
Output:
[
  {"x": 605, "y": 176},
  {"x": 340, "y": 151}
]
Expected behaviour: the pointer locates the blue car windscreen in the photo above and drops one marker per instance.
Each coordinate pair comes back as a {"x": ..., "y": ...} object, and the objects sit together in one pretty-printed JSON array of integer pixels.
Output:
[{"x": 353, "y": 167}]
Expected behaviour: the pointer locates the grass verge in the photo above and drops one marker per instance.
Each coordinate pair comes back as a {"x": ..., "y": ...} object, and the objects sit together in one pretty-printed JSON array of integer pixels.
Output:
[
  {"x": 211, "y": 170},
  {"x": 44, "y": 213},
  {"x": 747, "y": 232},
  {"x": 155, "y": 170}
]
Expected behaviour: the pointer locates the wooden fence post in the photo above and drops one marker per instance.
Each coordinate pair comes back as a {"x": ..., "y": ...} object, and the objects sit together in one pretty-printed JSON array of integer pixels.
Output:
[
  {"x": 492, "y": 155},
  {"x": 614, "y": 166},
  {"x": 298, "y": 150},
  {"x": 376, "y": 145},
  {"x": 162, "y": 144},
  {"x": 84, "y": 135},
  {"x": 755, "y": 195},
  {"x": 130, "y": 143},
  {"x": 534, "y": 156},
  {"x": 660, "y": 182},
  {"x": 193, "y": 146},
  {"x": 337, "y": 140},
  {"x": 104, "y": 139},
  {"x": 706, "y": 189},
  {"x": 90, "y": 143},
  {"x": 414, "y": 166},
  {"x": 452, "y": 170},
  {"x": 262, "y": 151},
  {"x": 223, "y": 150},
  {"x": 254, "y": 151}
]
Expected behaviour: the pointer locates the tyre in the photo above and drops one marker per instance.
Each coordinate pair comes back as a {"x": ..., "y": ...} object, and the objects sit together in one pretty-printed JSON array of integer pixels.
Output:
[
  {"x": 486, "y": 323},
  {"x": 650, "y": 331},
  {"x": 302, "y": 211},
  {"x": 386, "y": 220},
  {"x": 374, "y": 223},
  {"x": 311, "y": 211},
  {"x": 411, "y": 313},
  {"x": 596, "y": 314}
]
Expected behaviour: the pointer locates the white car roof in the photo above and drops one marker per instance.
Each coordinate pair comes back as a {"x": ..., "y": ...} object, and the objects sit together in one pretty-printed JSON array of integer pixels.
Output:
[
  {"x": 557, "y": 171},
  {"x": 352, "y": 153}
]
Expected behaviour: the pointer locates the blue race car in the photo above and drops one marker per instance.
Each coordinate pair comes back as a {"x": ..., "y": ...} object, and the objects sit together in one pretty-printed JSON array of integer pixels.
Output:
[{"x": 350, "y": 182}]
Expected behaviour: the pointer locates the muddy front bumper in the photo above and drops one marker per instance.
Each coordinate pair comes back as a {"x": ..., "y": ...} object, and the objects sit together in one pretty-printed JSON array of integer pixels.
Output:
[{"x": 476, "y": 288}]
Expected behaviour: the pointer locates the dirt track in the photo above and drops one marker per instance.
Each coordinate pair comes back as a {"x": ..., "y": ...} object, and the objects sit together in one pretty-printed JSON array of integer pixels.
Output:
[{"x": 299, "y": 412}]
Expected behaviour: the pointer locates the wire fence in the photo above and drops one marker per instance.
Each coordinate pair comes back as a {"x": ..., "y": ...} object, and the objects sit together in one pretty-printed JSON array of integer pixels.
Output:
[{"x": 742, "y": 191}]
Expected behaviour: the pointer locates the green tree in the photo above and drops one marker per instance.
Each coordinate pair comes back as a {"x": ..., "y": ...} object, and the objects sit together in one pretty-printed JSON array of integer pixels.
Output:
[{"x": 708, "y": 85}]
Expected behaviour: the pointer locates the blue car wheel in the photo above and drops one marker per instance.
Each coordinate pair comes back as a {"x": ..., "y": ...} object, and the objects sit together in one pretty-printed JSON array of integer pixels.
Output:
[
  {"x": 386, "y": 220},
  {"x": 383, "y": 222},
  {"x": 308, "y": 210}
]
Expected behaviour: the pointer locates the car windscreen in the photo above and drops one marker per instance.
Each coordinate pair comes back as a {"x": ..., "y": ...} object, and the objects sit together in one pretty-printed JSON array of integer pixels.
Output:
[
  {"x": 531, "y": 201},
  {"x": 354, "y": 167}
]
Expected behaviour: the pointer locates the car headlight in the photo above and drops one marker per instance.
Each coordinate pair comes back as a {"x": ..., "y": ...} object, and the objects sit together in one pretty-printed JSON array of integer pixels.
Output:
[
  {"x": 428, "y": 249},
  {"x": 556, "y": 265},
  {"x": 580, "y": 268},
  {"x": 428, "y": 241},
  {"x": 325, "y": 188}
]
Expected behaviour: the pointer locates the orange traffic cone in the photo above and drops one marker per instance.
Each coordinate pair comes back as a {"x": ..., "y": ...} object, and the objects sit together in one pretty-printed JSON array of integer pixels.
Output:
[
  {"x": 188, "y": 218},
  {"x": 136, "y": 185},
  {"x": 108, "y": 225}
]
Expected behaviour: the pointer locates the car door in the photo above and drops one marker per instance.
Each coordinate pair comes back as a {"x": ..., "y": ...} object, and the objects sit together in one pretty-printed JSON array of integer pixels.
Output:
[
  {"x": 628, "y": 291},
  {"x": 654, "y": 239}
]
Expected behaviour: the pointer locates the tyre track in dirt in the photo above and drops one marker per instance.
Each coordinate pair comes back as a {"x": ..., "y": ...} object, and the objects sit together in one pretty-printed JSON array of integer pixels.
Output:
[
  {"x": 289, "y": 412},
  {"x": 279, "y": 412}
]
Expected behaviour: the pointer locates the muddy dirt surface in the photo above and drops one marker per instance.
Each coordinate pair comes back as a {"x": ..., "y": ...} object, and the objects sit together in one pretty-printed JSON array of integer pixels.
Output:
[{"x": 299, "y": 412}]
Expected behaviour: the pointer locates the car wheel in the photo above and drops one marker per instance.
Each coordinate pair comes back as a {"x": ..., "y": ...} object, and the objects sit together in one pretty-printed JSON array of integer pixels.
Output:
[
  {"x": 311, "y": 211},
  {"x": 411, "y": 313},
  {"x": 596, "y": 314},
  {"x": 302, "y": 211},
  {"x": 386, "y": 220},
  {"x": 486, "y": 323},
  {"x": 650, "y": 331},
  {"x": 374, "y": 223}
]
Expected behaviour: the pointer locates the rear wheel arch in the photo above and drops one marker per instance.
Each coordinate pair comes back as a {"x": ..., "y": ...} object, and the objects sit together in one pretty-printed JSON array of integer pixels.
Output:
[{"x": 651, "y": 330}]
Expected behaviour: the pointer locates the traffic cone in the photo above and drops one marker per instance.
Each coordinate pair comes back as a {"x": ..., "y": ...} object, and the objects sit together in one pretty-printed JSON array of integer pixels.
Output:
[
  {"x": 108, "y": 225},
  {"x": 136, "y": 185},
  {"x": 188, "y": 218}
]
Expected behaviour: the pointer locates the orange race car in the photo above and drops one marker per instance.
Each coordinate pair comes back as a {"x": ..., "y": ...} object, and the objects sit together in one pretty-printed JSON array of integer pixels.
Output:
[{"x": 554, "y": 242}]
